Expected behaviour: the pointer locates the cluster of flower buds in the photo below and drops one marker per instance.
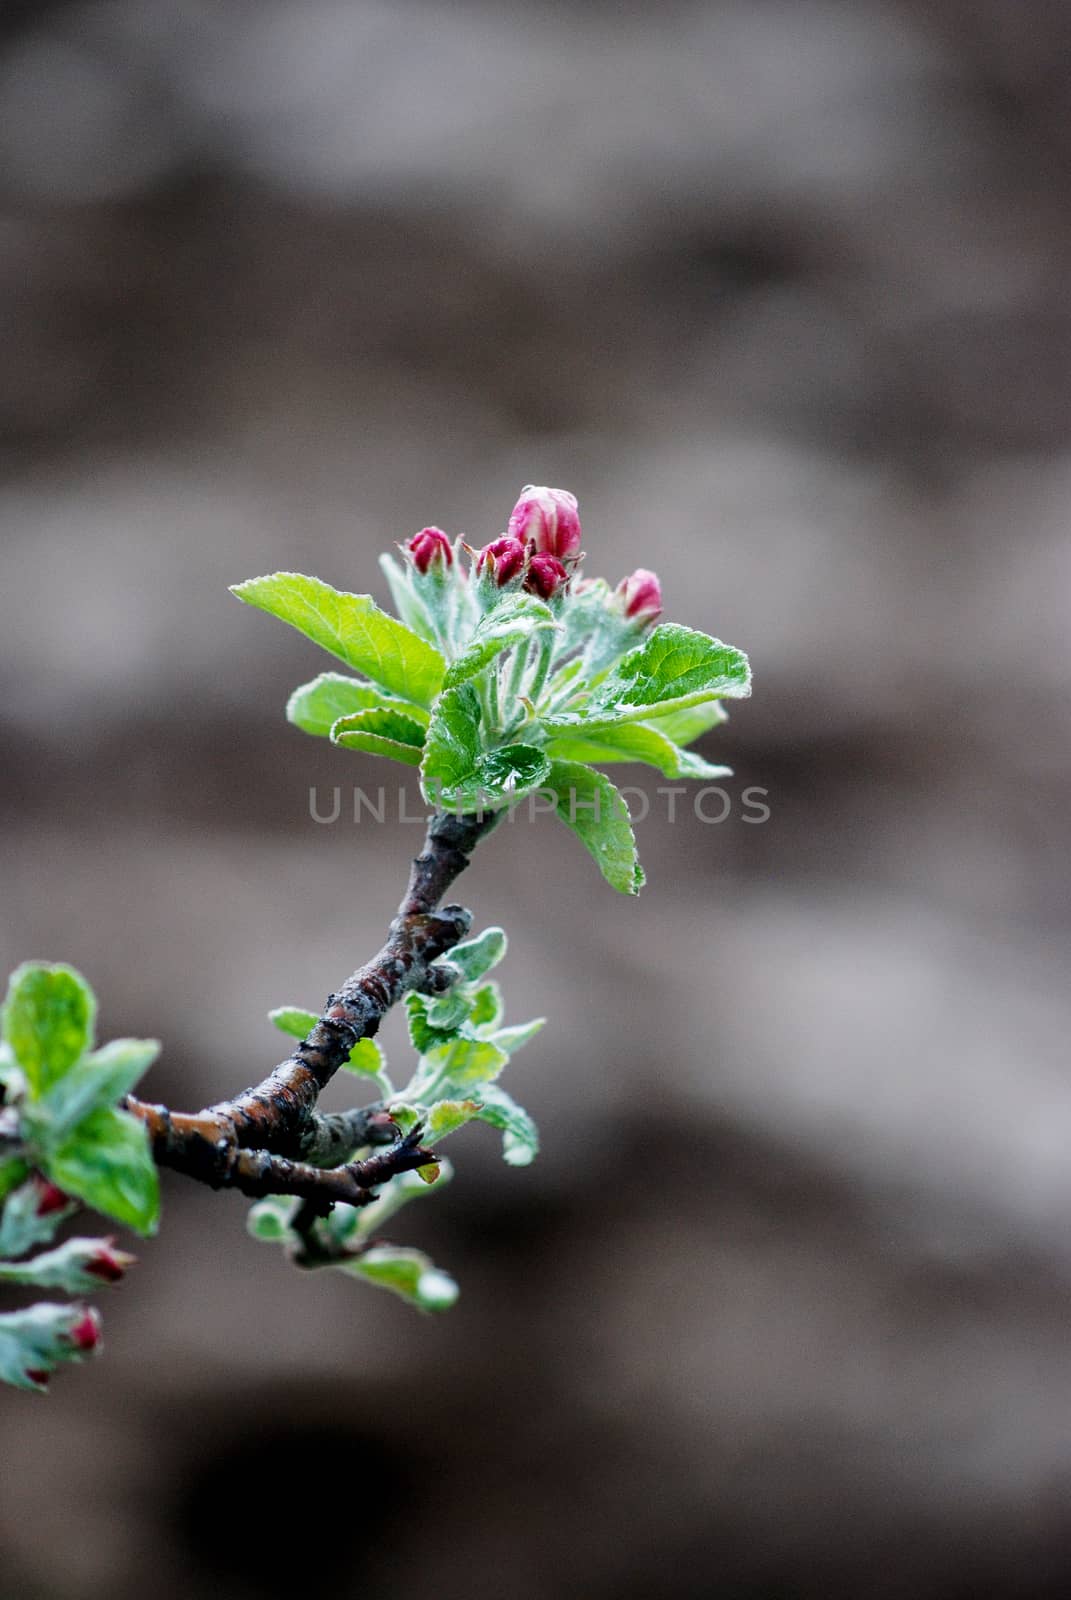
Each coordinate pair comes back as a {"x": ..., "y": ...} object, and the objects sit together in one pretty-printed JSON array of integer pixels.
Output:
[
  {"x": 538, "y": 553},
  {"x": 540, "y": 547}
]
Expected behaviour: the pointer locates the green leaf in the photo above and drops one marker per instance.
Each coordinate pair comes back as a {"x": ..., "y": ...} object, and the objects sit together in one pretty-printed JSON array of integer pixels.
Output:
[
  {"x": 106, "y": 1161},
  {"x": 423, "y": 1035},
  {"x": 408, "y": 1273},
  {"x": 590, "y": 805},
  {"x": 513, "y": 1039},
  {"x": 634, "y": 741},
  {"x": 447, "y": 1115},
  {"x": 485, "y": 1009},
  {"x": 520, "y": 1136},
  {"x": 477, "y": 956},
  {"x": 458, "y": 773},
  {"x": 99, "y": 1079},
  {"x": 408, "y": 604},
  {"x": 453, "y": 743},
  {"x": 315, "y": 707},
  {"x": 685, "y": 726},
  {"x": 366, "y": 1059},
  {"x": 48, "y": 1021},
  {"x": 510, "y": 621},
  {"x": 381, "y": 733},
  {"x": 451, "y": 1069},
  {"x": 405, "y": 1117},
  {"x": 293, "y": 1020},
  {"x": 448, "y": 1011},
  {"x": 674, "y": 668},
  {"x": 351, "y": 627}
]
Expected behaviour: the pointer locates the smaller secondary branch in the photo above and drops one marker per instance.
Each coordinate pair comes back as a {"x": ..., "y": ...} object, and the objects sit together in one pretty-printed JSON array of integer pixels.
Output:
[
  {"x": 258, "y": 1173},
  {"x": 270, "y": 1139}
]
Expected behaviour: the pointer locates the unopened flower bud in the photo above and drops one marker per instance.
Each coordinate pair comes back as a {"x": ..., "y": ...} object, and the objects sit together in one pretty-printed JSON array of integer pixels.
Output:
[
  {"x": 49, "y": 1198},
  {"x": 546, "y": 576},
  {"x": 107, "y": 1263},
  {"x": 38, "y": 1375},
  {"x": 548, "y": 518},
  {"x": 430, "y": 547},
  {"x": 84, "y": 1334},
  {"x": 642, "y": 595},
  {"x": 501, "y": 560}
]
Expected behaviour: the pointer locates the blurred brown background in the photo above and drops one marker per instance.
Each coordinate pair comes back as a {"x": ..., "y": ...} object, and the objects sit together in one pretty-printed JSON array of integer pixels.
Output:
[{"x": 780, "y": 290}]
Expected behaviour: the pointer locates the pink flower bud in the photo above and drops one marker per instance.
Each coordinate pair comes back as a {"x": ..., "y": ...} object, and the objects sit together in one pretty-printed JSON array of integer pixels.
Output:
[
  {"x": 642, "y": 594},
  {"x": 49, "y": 1198},
  {"x": 85, "y": 1333},
  {"x": 429, "y": 547},
  {"x": 501, "y": 560},
  {"x": 546, "y": 576},
  {"x": 548, "y": 518},
  {"x": 109, "y": 1264}
]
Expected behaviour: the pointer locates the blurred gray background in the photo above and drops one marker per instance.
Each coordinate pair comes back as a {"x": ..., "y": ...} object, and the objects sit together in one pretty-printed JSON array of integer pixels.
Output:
[{"x": 780, "y": 290}]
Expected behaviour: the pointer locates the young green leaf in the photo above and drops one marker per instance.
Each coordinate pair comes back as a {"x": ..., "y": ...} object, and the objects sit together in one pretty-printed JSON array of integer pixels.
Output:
[
  {"x": 316, "y": 706},
  {"x": 520, "y": 1136},
  {"x": 408, "y": 604},
  {"x": 293, "y": 1020},
  {"x": 448, "y": 1011},
  {"x": 381, "y": 733},
  {"x": 457, "y": 773},
  {"x": 674, "y": 668},
  {"x": 106, "y": 1161},
  {"x": 453, "y": 744},
  {"x": 513, "y": 619},
  {"x": 685, "y": 726},
  {"x": 477, "y": 956},
  {"x": 408, "y": 1273},
  {"x": 446, "y": 1116},
  {"x": 351, "y": 627},
  {"x": 590, "y": 805},
  {"x": 366, "y": 1059},
  {"x": 451, "y": 1069},
  {"x": 48, "y": 1022},
  {"x": 633, "y": 741},
  {"x": 485, "y": 1009},
  {"x": 99, "y": 1079},
  {"x": 422, "y": 1033},
  {"x": 515, "y": 1038}
]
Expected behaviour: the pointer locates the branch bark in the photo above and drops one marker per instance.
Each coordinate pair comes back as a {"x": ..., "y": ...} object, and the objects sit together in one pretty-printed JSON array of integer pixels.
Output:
[{"x": 271, "y": 1139}]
